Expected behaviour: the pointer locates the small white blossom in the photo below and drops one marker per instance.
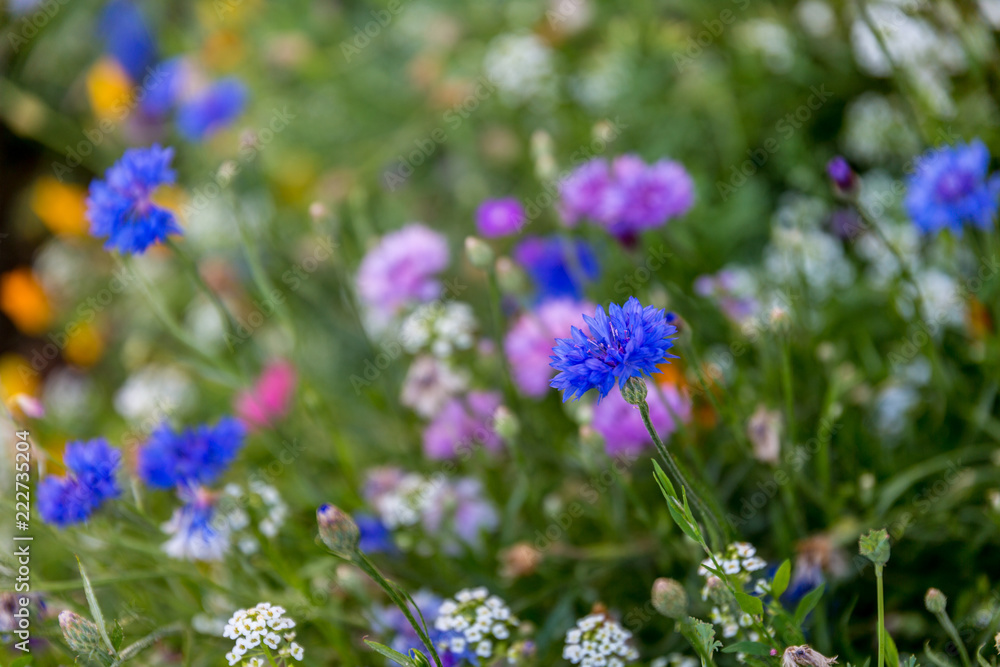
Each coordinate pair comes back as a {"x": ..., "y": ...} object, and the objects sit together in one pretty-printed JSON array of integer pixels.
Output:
[
  {"x": 598, "y": 641},
  {"x": 250, "y": 627}
]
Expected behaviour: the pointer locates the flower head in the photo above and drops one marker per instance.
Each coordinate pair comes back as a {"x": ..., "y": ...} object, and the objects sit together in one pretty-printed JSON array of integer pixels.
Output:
[
  {"x": 256, "y": 628},
  {"x": 192, "y": 456},
  {"x": 558, "y": 267},
  {"x": 529, "y": 342},
  {"x": 401, "y": 271},
  {"x": 212, "y": 109},
  {"x": 270, "y": 398},
  {"x": 197, "y": 532},
  {"x": 841, "y": 174},
  {"x": 597, "y": 640},
  {"x": 120, "y": 207},
  {"x": 951, "y": 188},
  {"x": 629, "y": 341},
  {"x": 500, "y": 217},
  {"x": 475, "y": 626},
  {"x": 67, "y": 500}
]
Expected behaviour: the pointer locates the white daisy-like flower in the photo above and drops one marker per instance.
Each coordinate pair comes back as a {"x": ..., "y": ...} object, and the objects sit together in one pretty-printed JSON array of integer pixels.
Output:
[
  {"x": 745, "y": 549},
  {"x": 233, "y": 657},
  {"x": 731, "y": 566},
  {"x": 296, "y": 651}
]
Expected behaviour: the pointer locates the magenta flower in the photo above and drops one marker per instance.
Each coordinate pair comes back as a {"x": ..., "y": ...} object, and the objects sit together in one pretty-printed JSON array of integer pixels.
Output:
[
  {"x": 621, "y": 424},
  {"x": 270, "y": 398},
  {"x": 463, "y": 424},
  {"x": 500, "y": 217},
  {"x": 402, "y": 271},
  {"x": 529, "y": 342}
]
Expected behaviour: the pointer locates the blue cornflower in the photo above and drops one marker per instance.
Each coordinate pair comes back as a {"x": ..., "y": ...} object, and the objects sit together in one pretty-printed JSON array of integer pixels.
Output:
[
  {"x": 67, "y": 500},
  {"x": 951, "y": 187},
  {"x": 196, "y": 530},
  {"x": 192, "y": 456},
  {"x": 211, "y": 110},
  {"x": 127, "y": 37},
  {"x": 121, "y": 208},
  {"x": 558, "y": 267},
  {"x": 628, "y": 342}
]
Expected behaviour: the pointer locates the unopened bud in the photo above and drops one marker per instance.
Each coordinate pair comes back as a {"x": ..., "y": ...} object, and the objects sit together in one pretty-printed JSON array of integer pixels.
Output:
[
  {"x": 338, "y": 531},
  {"x": 874, "y": 545},
  {"x": 843, "y": 177},
  {"x": 635, "y": 390},
  {"x": 81, "y": 634},
  {"x": 669, "y": 598},
  {"x": 935, "y": 601},
  {"x": 480, "y": 255}
]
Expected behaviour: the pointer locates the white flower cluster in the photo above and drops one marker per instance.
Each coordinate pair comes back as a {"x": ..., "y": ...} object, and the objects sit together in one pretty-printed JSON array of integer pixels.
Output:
[
  {"x": 477, "y": 624},
  {"x": 429, "y": 383},
  {"x": 441, "y": 328},
  {"x": 598, "y": 641},
  {"x": 521, "y": 66},
  {"x": 406, "y": 503},
  {"x": 739, "y": 561},
  {"x": 265, "y": 501},
  {"x": 261, "y": 630}
]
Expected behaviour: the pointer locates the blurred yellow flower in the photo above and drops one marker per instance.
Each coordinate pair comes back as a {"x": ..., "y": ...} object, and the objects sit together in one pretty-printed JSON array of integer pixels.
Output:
[
  {"x": 24, "y": 301},
  {"x": 223, "y": 50},
  {"x": 16, "y": 377},
  {"x": 61, "y": 206},
  {"x": 83, "y": 345},
  {"x": 109, "y": 89}
]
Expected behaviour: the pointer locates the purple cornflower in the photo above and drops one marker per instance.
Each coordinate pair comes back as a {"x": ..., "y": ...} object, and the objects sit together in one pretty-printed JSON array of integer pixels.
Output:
[
  {"x": 500, "y": 217},
  {"x": 841, "y": 174},
  {"x": 622, "y": 425},
  {"x": 197, "y": 532},
  {"x": 192, "y": 456},
  {"x": 463, "y": 424},
  {"x": 529, "y": 342},
  {"x": 628, "y": 197},
  {"x": 558, "y": 267},
  {"x": 629, "y": 341},
  {"x": 212, "y": 109},
  {"x": 121, "y": 208},
  {"x": 951, "y": 187},
  {"x": 63, "y": 501},
  {"x": 401, "y": 271}
]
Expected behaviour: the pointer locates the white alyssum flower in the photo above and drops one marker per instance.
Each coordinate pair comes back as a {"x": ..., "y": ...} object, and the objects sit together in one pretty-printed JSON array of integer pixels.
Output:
[
  {"x": 476, "y": 623},
  {"x": 599, "y": 641},
  {"x": 253, "y": 629},
  {"x": 740, "y": 563}
]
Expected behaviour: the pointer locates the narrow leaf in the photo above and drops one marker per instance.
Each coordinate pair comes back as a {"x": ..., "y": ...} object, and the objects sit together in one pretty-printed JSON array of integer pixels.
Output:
[
  {"x": 808, "y": 603},
  {"x": 980, "y": 659},
  {"x": 889, "y": 649},
  {"x": 937, "y": 658},
  {"x": 95, "y": 610},
  {"x": 781, "y": 578},
  {"x": 750, "y": 648},
  {"x": 395, "y": 656}
]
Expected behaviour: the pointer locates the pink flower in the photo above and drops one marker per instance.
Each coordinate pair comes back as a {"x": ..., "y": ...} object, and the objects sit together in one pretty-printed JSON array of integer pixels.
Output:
[
  {"x": 621, "y": 424},
  {"x": 529, "y": 342},
  {"x": 270, "y": 398}
]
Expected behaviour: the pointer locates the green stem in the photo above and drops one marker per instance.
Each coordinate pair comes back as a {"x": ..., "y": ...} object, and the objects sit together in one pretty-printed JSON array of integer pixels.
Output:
[
  {"x": 953, "y": 633},
  {"x": 369, "y": 568},
  {"x": 709, "y": 515},
  {"x": 192, "y": 268},
  {"x": 881, "y": 617},
  {"x": 270, "y": 658}
]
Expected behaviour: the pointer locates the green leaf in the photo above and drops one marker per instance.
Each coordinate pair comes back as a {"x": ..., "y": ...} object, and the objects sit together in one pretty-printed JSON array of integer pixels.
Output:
[
  {"x": 889, "y": 649},
  {"x": 419, "y": 659},
  {"x": 395, "y": 656},
  {"x": 808, "y": 603},
  {"x": 701, "y": 635},
  {"x": 750, "y": 648},
  {"x": 937, "y": 658},
  {"x": 117, "y": 636},
  {"x": 661, "y": 478},
  {"x": 25, "y": 660},
  {"x": 95, "y": 610},
  {"x": 750, "y": 604},
  {"x": 980, "y": 659},
  {"x": 781, "y": 578}
]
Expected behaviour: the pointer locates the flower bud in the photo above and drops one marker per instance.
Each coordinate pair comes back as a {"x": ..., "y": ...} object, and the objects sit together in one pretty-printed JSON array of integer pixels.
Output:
[
  {"x": 338, "y": 531},
  {"x": 635, "y": 390},
  {"x": 480, "y": 255},
  {"x": 874, "y": 545},
  {"x": 81, "y": 634},
  {"x": 669, "y": 598},
  {"x": 843, "y": 177},
  {"x": 935, "y": 601}
]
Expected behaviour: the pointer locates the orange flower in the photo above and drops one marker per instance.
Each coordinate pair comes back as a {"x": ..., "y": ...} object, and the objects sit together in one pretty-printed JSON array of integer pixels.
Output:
[
  {"x": 61, "y": 206},
  {"x": 83, "y": 345},
  {"x": 24, "y": 301}
]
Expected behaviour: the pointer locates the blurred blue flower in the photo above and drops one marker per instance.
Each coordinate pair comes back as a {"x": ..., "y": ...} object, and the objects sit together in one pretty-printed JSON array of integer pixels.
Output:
[
  {"x": 212, "y": 109},
  {"x": 628, "y": 342},
  {"x": 196, "y": 532},
  {"x": 557, "y": 266},
  {"x": 951, "y": 187},
  {"x": 127, "y": 37},
  {"x": 92, "y": 465},
  {"x": 163, "y": 90},
  {"x": 375, "y": 536},
  {"x": 121, "y": 208},
  {"x": 193, "y": 456}
]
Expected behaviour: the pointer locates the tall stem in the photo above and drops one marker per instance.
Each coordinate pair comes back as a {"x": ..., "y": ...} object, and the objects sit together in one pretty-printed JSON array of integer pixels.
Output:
[
  {"x": 228, "y": 320},
  {"x": 709, "y": 515},
  {"x": 881, "y": 617},
  {"x": 955, "y": 637}
]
